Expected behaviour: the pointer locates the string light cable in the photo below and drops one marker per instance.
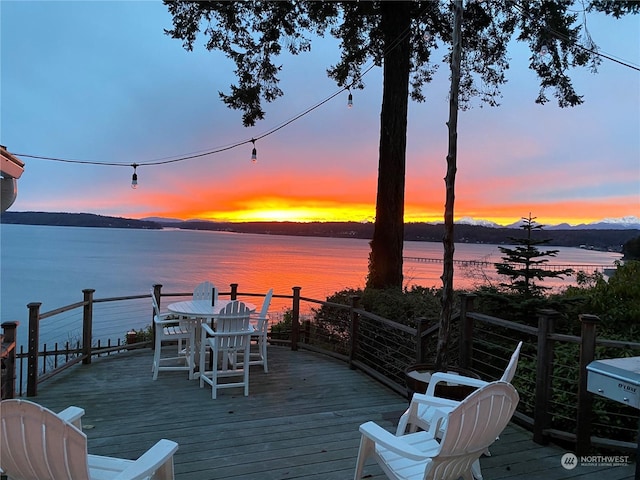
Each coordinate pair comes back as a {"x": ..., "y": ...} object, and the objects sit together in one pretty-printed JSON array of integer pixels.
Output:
[
  {"x": 216, "y": 150},
  {"x": 180, "y": 158}
]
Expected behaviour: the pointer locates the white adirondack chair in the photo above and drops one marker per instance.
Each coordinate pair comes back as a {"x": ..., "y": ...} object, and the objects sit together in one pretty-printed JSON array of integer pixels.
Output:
[
  {"x": 230, "y": 339},
  {"x": 470, "y": 428},
  {"x": 260, "y": 323},
  {"x": 206, "y": 291},
  {"x": 169, "y": 328},
  {"x": 421, "y": 415},
  {"x": 36, "y": 443}
]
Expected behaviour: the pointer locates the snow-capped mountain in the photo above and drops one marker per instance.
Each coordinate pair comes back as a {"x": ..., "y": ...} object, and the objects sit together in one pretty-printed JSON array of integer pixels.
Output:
[
  {"x": 473, "y": 221},
  {"x": 625, "y": 223}
]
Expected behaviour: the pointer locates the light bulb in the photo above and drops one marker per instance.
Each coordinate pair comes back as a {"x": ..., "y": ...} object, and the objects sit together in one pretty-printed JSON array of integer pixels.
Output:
[
  {"x": 350, "y": 100},
  {"x": 134, "y": 177},
  {"x": 254, "y": 155},
  {"x": 544, "y": 50}
]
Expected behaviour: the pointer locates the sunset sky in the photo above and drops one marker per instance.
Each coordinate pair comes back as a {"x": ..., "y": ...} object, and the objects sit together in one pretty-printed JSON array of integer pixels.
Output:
[{"x": 101, "y": 82}]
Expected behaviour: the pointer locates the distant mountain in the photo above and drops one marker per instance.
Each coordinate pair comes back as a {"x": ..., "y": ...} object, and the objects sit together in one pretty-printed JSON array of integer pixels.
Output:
[
  {"x": 629, "y": 222},
  {"x": 481, "y": 223},
  {"x": 473, "y": 231},
  {"x": 161, "y": 220},
  {"x": 625, "y": 223},
  {"x": 74, "y": 220}
]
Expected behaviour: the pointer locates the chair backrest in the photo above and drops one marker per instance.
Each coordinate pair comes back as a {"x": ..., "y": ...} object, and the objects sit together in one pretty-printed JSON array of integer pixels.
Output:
[
  {"x": 232, "y": 319},
  {"x": 206, "y": 291},
  {"x": 472, "y": 427},
  {"x": 265, "y": 304},
  {"x": 36, "y": 443},
  {"x": 156, "y": 307},
  {"x": 510, "y": 371}
]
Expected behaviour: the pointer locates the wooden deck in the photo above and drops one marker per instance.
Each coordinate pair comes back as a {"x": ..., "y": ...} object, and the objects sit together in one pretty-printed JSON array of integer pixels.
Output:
[{"x": 300, "y": 421}]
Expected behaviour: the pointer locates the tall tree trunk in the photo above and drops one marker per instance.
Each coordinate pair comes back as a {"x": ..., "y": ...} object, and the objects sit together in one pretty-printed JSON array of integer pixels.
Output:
[
  {"x": 385, "y": 260},
  {"x": 442, "y": 356}
]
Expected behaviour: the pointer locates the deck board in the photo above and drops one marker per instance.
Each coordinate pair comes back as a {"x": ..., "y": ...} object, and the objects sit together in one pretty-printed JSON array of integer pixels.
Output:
[{"x": 300, "y": 421}]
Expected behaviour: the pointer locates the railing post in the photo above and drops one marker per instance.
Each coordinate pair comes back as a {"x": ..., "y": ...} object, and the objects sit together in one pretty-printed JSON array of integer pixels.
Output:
[
  {"x": 32, "y": 358},
  {"x": 8, "y": 384},
  {"x": 295, "y": 320},
  {"x": 466, "y": 330},
  {"x": 354, "y": 327},
  {"x": 585, "y": 398},
  {"x": 544, "y": 370},
  {"x": 157, "y": 293},
  {"x": 87, "y": 325},
  {"x": 421, "y": 342},
  {"x": 234, "y": 291}
]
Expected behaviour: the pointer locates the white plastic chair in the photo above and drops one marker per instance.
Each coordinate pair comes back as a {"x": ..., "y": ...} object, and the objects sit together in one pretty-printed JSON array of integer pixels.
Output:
[
  {"x": 206, "y": 291},
  {"x": 260, "y": 323},
  {"x": 169, "y": 328},
  {"x": 470, "y": 428},
  {"x": 229, "y": 340},
  {"x": 421, "y": 415},
  {"x": 36, "y": 443}
]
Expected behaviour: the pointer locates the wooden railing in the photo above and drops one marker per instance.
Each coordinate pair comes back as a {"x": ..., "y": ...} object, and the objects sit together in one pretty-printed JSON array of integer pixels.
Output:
[
  {"x": 384, "y": 349},
  {"x": 8, "y": 359}
]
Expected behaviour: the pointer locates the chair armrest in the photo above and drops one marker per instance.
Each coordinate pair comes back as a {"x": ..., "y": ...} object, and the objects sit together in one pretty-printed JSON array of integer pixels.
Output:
[
  {"x": 207, "y": 330},
  {"x": 164, "y": 319},
  {"x": 413, "y": 413},
  {"x": 397, "y": 445},
  {"x": 72, "y": 415},
  {"x": 150, "y": 461},
  {"x": 227, "y": 334},
  {"x": 452, "y": 378},
  {"x": 439, "y": 415},
  {"x": 431, "y": 401}
]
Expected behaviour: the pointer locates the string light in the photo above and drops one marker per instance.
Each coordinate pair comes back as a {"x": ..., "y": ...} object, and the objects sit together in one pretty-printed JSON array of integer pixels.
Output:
[
  {"x": 134, "y": 177},
  {"x": 350, "y": 100},
  {"x": 254, "y": 152}
]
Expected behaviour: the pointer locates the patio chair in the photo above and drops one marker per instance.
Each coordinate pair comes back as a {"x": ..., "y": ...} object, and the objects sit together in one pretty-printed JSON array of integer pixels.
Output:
[
  {"x": 169, "y": 328},
  {"x": 470, "y": 428},
  {"x": 206, "y": 291},
  {"x": 229, "y": 340},
  {"x": 260, "y": 323},
  {"x": 421, "y": 415},
  {"x": 36, "y": 443}
]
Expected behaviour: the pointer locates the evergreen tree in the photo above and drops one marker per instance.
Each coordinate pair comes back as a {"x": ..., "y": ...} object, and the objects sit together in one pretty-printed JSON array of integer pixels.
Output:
[
  {"x": 524, "y": 263},
  {"x": 631, "y": 249}
]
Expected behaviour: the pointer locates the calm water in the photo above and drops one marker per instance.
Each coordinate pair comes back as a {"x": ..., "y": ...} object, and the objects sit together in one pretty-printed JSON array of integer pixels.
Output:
[{"x": 53, "y": 264}]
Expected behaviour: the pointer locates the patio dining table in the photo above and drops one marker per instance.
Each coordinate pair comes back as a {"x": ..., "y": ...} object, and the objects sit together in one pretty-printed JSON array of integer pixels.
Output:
[{"x": 194, "y": 312}]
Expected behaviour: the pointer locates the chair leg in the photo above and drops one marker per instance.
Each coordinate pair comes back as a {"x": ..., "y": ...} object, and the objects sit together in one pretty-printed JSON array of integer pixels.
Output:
[
  {"x": 215, "y": 353},
  {"x": 263, "y": 353},
  {"x": 156, "y": 359},
  {"x": 246, "y": 381},
  {"x": 402, "y": 424},
  {"x": 166, "y": 471},
  {"x": 475, "y": 470},
  {"x": 202, "y": 366},
  {"x": 191, "y": 354},
  {"x": 366, "y": 449}
]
